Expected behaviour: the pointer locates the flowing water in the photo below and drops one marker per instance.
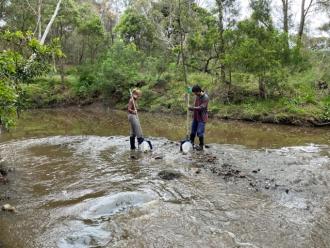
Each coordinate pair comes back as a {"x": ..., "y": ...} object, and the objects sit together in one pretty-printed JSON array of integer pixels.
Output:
[{"x": 75, "y": 183}]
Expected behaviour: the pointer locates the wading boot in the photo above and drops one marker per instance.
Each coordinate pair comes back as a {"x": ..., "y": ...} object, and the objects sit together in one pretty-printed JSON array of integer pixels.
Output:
[
  {"x": 140, "y": 140},
  {"x": 192, "y": 139},
  {"x": 201, "y": 144},
  {"x": 132, "y": 143}
]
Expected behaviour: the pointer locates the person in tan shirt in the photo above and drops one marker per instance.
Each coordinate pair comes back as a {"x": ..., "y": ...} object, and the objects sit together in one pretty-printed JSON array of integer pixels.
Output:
[{"x": 133, "y": 119}]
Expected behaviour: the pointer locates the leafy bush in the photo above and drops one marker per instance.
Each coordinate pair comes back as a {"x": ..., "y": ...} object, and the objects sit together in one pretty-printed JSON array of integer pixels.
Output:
[
  {"x": 23, "y": 59},
  {"x": 88, "y": 84},
  {"x": 8, "y": 100},
  {"x": 35, "y": 95}
]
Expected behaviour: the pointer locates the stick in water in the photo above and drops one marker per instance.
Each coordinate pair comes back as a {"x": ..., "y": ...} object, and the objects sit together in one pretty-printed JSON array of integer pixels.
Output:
[{"x": 187, "y": 125}]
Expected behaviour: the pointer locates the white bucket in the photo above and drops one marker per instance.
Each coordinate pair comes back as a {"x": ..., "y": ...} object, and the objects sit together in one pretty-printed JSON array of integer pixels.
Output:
[
  {"x": 186, "y": 147},
  {"x": 145, "y": 146}
]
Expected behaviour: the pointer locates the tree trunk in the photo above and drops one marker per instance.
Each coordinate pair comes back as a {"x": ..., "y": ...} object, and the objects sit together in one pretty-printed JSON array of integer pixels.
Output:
[
  {"x": 181, "y": 47},
  {"x": 285, "y": 9},
  {"x": 61, "y": 60},
  {"x": 43, "y": 38},
  {"x": 206, "y": 67},
  {"x": 39, "y": 20},
  {"x": 262, "y": 88},
  {"x": 229, "y": 95},
  {"x": 303, "y": 14},
  {"x": 221, "y": 51},
  {"x": 62, "y": 72},
  {"x": 82, "y": 52},
  {"x": 302, "y": 20},
  {"x": 54, "y": 63}
]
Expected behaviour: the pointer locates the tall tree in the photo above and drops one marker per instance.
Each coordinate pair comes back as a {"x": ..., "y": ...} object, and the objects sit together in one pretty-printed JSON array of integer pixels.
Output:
[
  {"x": 286, "y": 20},
  {"x": 262, "y": 13},
  {"x": 182, "y": 34},
  {"x": 92, "y": 31},
  {"x": 306, "y": 7},
  {"x": 223, "y": 7},
  {"x": 109, "y": 12},
  {"x": 50, "y": 23},
  {"x": 65, "y": 25},
  {"x": 285, "y": 11},
  {"x": 135, "y": 27},
  {"x": 202, "y": 40}
]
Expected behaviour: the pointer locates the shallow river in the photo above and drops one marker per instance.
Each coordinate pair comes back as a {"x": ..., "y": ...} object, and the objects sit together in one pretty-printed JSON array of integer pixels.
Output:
[{"x": 75, "y": 183}]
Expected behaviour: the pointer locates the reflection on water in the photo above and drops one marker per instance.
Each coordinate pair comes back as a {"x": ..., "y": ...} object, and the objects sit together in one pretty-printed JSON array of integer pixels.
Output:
[
  {"x": 76, "y": 184},
  {"x": 96, "y": 121}
]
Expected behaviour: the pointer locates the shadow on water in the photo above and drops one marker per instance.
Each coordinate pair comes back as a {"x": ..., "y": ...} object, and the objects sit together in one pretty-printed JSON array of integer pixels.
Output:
[{"x": 74, "y": 183}]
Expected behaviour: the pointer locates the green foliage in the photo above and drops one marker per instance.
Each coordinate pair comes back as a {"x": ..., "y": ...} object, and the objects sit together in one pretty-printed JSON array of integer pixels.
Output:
[
  {"x": 262, "y": 13},
  {"x": 120, "y": 70},
  {"x": 24, "y": 59},
  {"x": 257, "y": 50},
  {"x": 49, "y": 91},
  {"x": 201, "y": 42},
  {"x": 234, "y": 61},
  {"x": 92, "y": 27},
  {"x": 206, "y": 81},
  {"x": 8, "y": 100},
  {"x": 88, "y": 84},
  {"x": 136, "y": 28}
]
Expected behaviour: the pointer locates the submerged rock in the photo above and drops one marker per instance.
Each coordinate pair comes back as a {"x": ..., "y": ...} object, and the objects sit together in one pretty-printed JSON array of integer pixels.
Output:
[
  {"x": 196, "y": 170},
  {"x": 4, "y": 198},
  {"x": 3, "y": 179},
  {"x": 169, "y": 174},
  {"x": 211, "y": 159},
  {"x": 3, "y": 172},
  {"x": 158, "y": 157},
  {"x": 8, "y": 207}
]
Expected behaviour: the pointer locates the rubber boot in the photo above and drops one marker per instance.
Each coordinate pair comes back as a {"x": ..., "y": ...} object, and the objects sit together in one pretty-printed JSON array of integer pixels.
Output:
[
  {"x": 132, "y": 142},
  {"x": 140, "y": 140},
  {"x": 192, "y": 139},
  {"x": 201, "y": 144}
]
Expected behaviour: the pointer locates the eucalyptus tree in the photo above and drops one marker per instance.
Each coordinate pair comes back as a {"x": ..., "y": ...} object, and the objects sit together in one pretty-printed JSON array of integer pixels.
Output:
[
  {"x": 202, "y": 41},
  {"x": 226, "y": 9},
  {"x": 307, "y": 6},
  {"x": 258, "y": 47},
  {"x": 136, "y": 28},
  {"x": 286, "y": 15}
]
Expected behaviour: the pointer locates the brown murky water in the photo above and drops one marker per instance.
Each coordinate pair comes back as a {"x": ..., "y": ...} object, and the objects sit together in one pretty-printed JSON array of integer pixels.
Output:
[{"x": 75, "y": 184}]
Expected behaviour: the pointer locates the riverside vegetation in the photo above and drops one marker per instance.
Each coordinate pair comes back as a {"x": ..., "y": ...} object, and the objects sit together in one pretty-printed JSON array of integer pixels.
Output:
[{"x": 96, "y": 51}]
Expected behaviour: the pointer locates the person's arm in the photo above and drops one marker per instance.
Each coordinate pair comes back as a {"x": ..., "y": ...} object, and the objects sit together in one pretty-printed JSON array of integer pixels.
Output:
[
  {"x": 130, "y": 107},
  {"x": 202, "y": 106}
]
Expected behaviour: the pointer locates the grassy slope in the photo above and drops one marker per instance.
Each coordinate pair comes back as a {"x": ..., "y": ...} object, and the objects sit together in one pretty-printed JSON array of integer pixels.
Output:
[{"x": 301, "y": 103}]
